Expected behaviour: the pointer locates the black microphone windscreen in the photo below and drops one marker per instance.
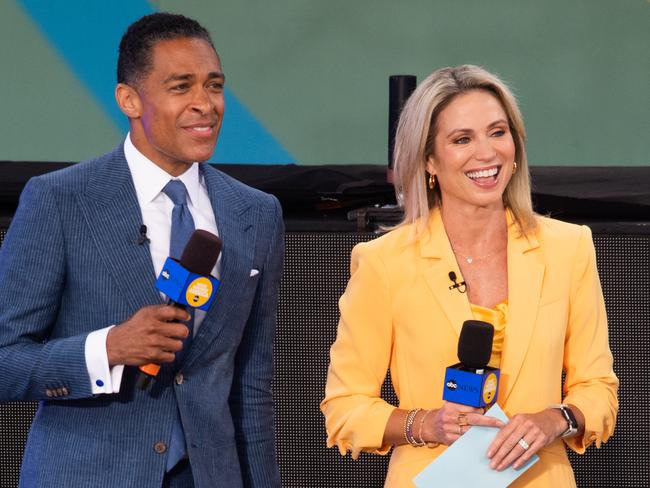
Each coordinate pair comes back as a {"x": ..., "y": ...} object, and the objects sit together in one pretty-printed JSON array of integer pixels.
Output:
[
  {"x": 475, "y": 344},
  {"x": 201, "y": 252}
]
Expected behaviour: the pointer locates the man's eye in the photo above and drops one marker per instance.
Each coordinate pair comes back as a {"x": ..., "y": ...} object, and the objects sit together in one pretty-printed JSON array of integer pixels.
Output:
[
  {"x": 181, "y": 87},
  {"x": 216, "y": 86}
]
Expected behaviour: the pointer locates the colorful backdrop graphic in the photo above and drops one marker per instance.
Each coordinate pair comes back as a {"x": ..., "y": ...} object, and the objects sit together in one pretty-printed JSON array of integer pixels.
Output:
[{"x": 308, "y": 80}]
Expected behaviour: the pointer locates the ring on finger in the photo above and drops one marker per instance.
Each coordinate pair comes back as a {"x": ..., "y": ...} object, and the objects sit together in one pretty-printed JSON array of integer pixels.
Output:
[
  {"x": 462, "y": 420},
  {"x": 522, "y": 442}
]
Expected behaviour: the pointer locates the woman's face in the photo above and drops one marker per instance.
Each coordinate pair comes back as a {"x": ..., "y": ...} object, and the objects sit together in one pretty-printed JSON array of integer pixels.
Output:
[{"x": 473, "y": 151}]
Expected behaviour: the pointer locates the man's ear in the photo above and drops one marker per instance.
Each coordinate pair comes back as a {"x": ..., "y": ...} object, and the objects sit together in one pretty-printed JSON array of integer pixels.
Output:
[{"x": 128, "y": 100}]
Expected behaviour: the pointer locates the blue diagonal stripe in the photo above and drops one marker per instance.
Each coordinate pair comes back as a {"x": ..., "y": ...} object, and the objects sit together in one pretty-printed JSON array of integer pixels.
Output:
[{"x": 87, "y": 35}]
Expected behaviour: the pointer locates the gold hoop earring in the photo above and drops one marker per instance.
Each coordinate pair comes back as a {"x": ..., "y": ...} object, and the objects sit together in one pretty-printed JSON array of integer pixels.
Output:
[
  {"x": 432, "y": 182},
  {"x": 514, "y": 167}
]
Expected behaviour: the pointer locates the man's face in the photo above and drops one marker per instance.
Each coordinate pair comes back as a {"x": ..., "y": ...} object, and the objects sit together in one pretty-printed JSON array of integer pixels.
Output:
[{"x": 181, "y": 104}]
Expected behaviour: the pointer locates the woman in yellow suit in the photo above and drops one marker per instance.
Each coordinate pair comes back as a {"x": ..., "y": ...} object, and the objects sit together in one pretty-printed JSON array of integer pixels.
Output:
[{"x": 462, "y": 177}]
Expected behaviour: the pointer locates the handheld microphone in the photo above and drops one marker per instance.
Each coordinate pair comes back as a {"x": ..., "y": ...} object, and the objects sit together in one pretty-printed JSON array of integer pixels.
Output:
[
  {"x": 187, "y": 283},
  {"x": 471, "y": 382}
]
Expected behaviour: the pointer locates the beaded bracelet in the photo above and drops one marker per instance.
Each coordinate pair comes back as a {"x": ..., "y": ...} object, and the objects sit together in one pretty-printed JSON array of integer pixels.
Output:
[{"x": 408, "y": 428}]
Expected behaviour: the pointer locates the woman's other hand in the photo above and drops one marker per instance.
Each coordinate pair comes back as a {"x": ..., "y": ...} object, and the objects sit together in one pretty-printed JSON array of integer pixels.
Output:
[{"x": 523, "y": 436}]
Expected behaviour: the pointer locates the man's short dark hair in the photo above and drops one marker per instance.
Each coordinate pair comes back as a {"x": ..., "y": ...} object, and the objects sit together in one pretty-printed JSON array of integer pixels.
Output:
[{"x": 136, "y": 47}]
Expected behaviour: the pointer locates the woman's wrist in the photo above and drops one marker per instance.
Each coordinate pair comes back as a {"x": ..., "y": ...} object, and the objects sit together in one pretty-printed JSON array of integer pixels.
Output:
[
  {"x": 425, "y": 430},
  {"x": 559, "y": 421}
]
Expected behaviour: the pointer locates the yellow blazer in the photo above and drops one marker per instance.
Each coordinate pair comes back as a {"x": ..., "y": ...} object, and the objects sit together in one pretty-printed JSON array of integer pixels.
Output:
[{"x": 398, "y": 313}]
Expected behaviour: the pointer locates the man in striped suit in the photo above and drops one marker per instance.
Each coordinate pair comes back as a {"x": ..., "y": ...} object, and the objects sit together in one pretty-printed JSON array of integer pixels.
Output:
[{"x": 79, "y": 310}]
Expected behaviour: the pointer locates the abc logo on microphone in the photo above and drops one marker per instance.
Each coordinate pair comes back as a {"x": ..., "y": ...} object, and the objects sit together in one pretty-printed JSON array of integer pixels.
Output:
[{"x": 471, "y": 381}]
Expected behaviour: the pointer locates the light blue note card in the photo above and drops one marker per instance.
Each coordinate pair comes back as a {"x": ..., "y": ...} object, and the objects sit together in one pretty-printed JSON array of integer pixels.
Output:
[{"x": 464, "y": 463}]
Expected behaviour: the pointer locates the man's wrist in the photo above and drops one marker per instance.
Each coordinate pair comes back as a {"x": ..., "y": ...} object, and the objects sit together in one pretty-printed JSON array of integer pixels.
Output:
[{"x": 110, "y": 351}]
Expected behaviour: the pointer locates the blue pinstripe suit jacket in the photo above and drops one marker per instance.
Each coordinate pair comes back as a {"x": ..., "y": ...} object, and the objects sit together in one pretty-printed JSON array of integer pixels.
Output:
[{"x": 70, "y": 264}]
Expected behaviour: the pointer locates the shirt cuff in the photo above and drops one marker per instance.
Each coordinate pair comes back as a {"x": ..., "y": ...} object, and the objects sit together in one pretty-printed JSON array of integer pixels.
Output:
[{"x": 103, "y": 380}]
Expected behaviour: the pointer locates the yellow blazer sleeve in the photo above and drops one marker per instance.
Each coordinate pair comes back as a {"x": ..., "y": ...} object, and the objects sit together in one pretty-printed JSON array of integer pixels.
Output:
[
  {"x": 590, "y": 383},
  {"x": 355, "y": 415}
]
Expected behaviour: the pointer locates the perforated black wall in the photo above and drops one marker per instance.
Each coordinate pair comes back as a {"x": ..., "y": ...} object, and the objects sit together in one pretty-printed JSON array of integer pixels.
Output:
[
  {"x": 316, "y": 271},
  {"x": 624, "y": 268}
]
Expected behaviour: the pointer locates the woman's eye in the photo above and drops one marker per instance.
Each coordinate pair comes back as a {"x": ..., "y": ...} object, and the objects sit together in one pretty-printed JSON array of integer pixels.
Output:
[
  {"x": 499, "y": 133},
  {"x": 462, "y": 140}
]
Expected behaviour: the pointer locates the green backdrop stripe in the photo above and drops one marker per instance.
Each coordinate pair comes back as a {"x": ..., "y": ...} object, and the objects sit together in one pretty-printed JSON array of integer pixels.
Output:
[{"x": 86, "y": 34}]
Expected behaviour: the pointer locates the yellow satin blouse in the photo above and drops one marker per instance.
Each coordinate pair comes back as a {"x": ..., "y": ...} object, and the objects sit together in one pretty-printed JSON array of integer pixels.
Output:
[{"x": 497, "y": 316}]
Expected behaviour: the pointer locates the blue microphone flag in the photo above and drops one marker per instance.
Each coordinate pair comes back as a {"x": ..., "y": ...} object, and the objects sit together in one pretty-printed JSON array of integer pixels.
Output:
[{"x": 186, "y": 288}]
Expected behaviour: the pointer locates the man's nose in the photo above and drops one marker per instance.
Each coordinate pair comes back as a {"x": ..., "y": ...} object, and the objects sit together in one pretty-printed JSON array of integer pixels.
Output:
[{"x": 201, "y": 101}]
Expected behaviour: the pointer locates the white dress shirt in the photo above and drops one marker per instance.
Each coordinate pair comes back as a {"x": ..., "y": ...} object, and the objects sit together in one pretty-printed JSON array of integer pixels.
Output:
[{"x": 149, "y": 179}]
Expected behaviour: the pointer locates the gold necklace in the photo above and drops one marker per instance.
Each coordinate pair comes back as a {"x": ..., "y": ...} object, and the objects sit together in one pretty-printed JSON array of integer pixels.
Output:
[{"x": 470, "y": 259}]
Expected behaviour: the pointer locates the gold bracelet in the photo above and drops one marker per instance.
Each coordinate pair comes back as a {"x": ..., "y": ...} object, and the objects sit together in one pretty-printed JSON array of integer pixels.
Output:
[
  {"x": 406, "y": 420},
  {"x": 426, "y": 413},
  {"x": 408, "y": 428},
  {"x": 430, "y": 445}
]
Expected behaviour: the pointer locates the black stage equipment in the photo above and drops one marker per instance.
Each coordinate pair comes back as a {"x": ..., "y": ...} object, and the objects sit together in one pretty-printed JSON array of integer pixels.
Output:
[{"x": 400, "y": 88}]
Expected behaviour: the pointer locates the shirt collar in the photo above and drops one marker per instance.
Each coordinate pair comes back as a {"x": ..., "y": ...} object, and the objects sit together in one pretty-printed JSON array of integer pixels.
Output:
[{"x": 149, "y": 179}]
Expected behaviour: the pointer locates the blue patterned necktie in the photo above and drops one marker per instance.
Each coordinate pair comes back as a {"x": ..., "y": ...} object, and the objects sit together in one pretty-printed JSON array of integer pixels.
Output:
[
  {"x": 182, "y": 228},
  {"x": 182, "y": 221}
]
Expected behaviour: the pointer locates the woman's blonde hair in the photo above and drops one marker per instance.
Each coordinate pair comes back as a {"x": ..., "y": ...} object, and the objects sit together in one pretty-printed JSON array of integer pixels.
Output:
[{"x": 414, "y": 144}]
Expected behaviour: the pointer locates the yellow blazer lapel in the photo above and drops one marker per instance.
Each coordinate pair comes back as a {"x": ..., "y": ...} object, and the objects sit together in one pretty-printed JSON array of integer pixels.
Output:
[
  {"x": 525, "y": 275},
  {"x": 439, "y": 260}
]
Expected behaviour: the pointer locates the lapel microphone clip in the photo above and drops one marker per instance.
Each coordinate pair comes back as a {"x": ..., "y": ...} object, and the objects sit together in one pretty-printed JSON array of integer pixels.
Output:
[
  {"x": 142, "y": 238},
  {"x": 461, "y": 287}
]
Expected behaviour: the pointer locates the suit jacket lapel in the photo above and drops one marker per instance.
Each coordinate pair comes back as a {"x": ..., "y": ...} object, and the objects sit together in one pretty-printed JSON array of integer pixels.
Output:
[
  {"x": 234, "y": 216},
  {"x": 110, "y": 208},
  {"x": 439, "y": 261},
  {"x": 525, "y": 276}
]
